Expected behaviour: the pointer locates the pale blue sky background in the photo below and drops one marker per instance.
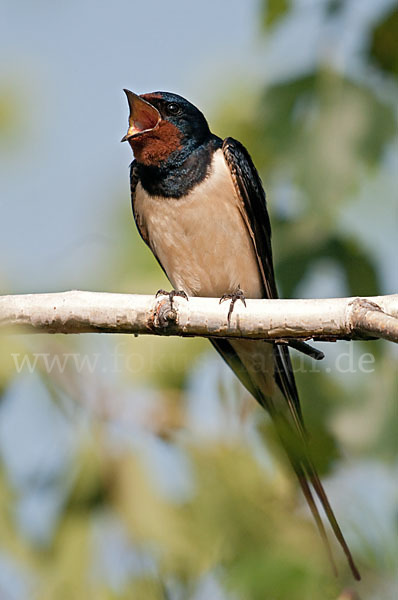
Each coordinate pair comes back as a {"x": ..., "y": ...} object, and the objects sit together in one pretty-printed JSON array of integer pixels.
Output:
[{"x": 70, "y": 61}]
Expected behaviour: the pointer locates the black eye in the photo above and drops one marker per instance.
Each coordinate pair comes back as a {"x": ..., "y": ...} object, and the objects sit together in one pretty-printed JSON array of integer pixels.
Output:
[{"x": 173, "y": 108}]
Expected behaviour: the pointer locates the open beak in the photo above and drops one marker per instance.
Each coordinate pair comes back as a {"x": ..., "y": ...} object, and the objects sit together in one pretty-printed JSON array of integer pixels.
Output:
[{"x": 143, "y": 116}]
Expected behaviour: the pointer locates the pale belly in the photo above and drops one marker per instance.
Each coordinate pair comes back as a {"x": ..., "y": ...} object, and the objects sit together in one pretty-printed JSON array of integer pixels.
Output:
[{"x": 201, "y": 240}]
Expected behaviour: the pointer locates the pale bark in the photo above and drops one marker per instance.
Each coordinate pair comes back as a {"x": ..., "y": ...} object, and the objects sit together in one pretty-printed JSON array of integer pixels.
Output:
[{"x": 320, "y": 319}]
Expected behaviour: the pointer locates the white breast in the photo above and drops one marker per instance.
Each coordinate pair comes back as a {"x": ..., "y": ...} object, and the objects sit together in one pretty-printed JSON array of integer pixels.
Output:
[{"x": 201, "y": 239}]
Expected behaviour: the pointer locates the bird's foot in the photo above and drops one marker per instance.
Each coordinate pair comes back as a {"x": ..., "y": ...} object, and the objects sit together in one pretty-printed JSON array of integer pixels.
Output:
[
  {"x": 164, "y": 312},
  {"x": 237, "y": 295},
  {"x": 171, "y": 295}
]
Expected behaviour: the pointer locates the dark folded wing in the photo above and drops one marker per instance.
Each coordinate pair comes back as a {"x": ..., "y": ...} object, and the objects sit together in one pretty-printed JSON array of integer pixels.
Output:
[{"x": 254, "y": 210}]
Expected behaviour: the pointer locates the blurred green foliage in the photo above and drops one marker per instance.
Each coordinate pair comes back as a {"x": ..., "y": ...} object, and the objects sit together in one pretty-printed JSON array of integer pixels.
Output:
[
  {"x": 237, "y": 528},
  {"x": 384, "y": 43},
  {"x": 274, "y": 10},
  {"x": 9, "y": 115}
]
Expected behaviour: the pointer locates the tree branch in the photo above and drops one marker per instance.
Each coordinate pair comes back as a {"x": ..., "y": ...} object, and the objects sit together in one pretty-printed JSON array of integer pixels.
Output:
[{"x": 278, "y": 320}]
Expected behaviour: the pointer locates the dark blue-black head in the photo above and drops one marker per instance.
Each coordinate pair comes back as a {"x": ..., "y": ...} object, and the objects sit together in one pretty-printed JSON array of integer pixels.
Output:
[{"x": 164, "y": 127}]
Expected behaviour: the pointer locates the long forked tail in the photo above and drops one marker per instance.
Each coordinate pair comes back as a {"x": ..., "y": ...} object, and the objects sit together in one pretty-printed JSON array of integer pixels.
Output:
[
  {"x": 318, "y": 487},
  {"x": 294, "y": 438},
  {"x": 296, "y": 449},
  {"x": 315, "y": 513}
]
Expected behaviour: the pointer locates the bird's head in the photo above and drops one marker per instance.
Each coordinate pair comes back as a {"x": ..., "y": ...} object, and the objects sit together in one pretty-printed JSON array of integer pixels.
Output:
[{"x": 163, "y": 127}]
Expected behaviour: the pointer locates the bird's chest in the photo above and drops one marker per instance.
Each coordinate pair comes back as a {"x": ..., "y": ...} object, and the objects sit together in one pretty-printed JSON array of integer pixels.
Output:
[{"x": 201, "y": 239}]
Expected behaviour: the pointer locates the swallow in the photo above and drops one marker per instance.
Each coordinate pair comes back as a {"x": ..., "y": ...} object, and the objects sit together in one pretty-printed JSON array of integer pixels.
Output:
[{"x": 199, "y": 204}]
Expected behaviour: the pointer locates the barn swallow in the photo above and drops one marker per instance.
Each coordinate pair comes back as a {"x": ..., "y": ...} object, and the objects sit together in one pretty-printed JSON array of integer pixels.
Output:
[{"x": 199, "y": 204}]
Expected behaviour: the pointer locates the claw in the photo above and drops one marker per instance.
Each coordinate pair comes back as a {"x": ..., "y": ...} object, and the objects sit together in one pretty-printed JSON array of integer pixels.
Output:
[
  {"x": 172, "y": 295},
  {"x": 161, "y": 293},
  {"x": 238, "y": 295}
]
